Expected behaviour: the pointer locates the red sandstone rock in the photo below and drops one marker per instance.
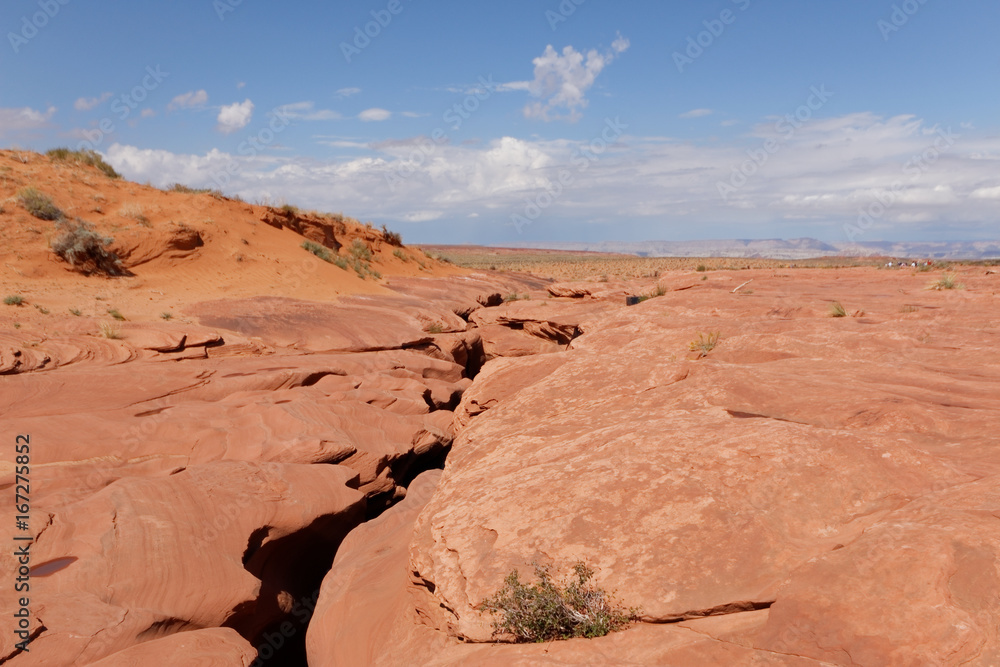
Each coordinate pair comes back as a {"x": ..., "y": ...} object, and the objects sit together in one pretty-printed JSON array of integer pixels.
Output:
[
  {"x": 208, "y": 546},
  {"x": 212, "y": 647}
]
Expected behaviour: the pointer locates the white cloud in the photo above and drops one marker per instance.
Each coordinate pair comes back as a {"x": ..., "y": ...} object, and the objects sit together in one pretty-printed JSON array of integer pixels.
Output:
[
  {"x": 729, "y": 123},
  {"x": 147, "y": 113},
  {"x": 414, "y": 114},
  {"x": 374, "y": 115},
  {"x": 821, "y": 178},
  {"x": 188, "y": 100},
  {"x": 344, "y": 93},
  {"x": 235, "y": 116},
  {"x": 987, "y": 193},
  {"x": 240, "y": 85},
  {"x": 88, "y": 103},
  {"x": 308, "y": 111},
  {"x": 24, "y": 119},
  {"x": 562, "y": 81},
  {"x": 696, "y": 113}
]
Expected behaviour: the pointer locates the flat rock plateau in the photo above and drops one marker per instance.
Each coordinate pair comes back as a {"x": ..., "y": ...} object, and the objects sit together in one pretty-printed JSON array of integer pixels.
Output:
[{"x": 243, "y": 454}]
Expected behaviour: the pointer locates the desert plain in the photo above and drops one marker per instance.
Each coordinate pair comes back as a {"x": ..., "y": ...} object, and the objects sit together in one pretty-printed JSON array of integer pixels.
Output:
[{"x": 284, "y": 437}]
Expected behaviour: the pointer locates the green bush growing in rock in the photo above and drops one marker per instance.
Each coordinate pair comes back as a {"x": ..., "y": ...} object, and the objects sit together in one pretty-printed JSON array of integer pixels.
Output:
[{"x": 550, "y": 611}]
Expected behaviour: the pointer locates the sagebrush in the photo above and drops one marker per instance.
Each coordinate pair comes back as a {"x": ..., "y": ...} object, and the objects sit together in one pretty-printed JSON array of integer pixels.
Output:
[
  {"x": 39, "y": 204},
  {"x": 550, "y": 611},
  {"x": 85, "y": 249}
]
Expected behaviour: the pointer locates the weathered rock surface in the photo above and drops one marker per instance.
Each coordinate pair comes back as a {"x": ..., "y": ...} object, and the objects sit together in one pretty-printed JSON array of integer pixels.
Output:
[
  {"x": 838, "y": 476},
  {"x": 212, "y": 647},
  {"x": 222, "y": 544},
  {"x": 364, "y": 595}
]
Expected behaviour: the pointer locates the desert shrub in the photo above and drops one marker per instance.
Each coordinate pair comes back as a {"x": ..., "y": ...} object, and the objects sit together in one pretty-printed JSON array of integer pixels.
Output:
[
  {"x": 360, "y": 251},
  {"x": 701, "y": 268},
  {"x": 705, "y": 343},
  {"x": 550, "y": 611},
  {"x": 837, "y": 310},
  {"x": 110, "y": 330},
  {"x": 135, "y": 212},
  {"x": 42, "y": 309},
  {"x": 399, "y": 254},
  {"x": 167, "y": 315},
  {"x": 288, "y": 209},
  {"x": 39, "y": 205},
  {"x": 435, "y": 328},
  {"x": 75, "y": 311},
  {"x": 85, "y": 249},
  {"x": 88, "y": 157},
  {"x": 947, "y": 281},
  {"x": 180, "y": 187},
  {"x": 659, "y": 291},
  {"x": 113, "y": 312},
  {"x": 320, "y": 251},
  {"x": 14, "y": 300},
  {"x": 392, "y": 238}
]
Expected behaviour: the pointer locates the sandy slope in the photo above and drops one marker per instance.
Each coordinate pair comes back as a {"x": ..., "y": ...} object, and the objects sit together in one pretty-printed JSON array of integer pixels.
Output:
[{"x": 181, "y": 248}]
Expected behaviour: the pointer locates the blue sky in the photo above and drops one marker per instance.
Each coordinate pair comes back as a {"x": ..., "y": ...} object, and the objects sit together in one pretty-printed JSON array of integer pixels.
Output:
[{"x": 535, "y": 121}]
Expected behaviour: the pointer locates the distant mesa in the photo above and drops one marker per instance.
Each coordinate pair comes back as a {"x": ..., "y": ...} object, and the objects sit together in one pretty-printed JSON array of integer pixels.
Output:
[{"x": 802, "y": 248}]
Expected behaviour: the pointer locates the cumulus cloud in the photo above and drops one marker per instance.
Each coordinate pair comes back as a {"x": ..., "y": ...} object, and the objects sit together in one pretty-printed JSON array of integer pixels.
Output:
[
  {"x": 88, "y": 103},
  {"x": 344, "y": 93},
  {"x": 14, "y": 121},
  {"x": 235, "y": 116},
  {"x": 562, "y": 80},
  {"x": 188, "y": 100},
  {"x": 696, "y": 113},
  {"x": 374, "y": 115},
  {"x": 824, "y": 174}
]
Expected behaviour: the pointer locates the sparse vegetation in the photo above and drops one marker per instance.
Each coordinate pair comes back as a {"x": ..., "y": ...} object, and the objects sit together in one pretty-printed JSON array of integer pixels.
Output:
[
  {"x": 167, "y": 316},
  {"x": 43, "y": 310},
  {"x": 360, "y": 251},
  {"x": 39, "y": 205},
  {"x": 946, "y": 281},
  {"x": 550, "y": 611},
  {"x": 435, "y": 328},
  {"x": 392, "y": 238},
  {"x": 180, "y": 187},
  {"x": 659, "y": 291},
  {"x": 85, "y": 249},
  {"x": 908, "y": 309},
  {"x": 75, "y": 311},
  {"x": 705, "y": 343},
  {"x": 14, "y": 300},
  {"x": 113, "y": 312},
  {"x": 135, "y": 212},
  {"x": 110, "y": 330},
  {"x": 399, "y": 254},
  {"x": 837, "y": 310},
  {"x": 320, "y": 251},
  {"x": 88, "y": 157},
  {"x": 288, "y": 209},
  {"x": 701, "y": 268}
]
